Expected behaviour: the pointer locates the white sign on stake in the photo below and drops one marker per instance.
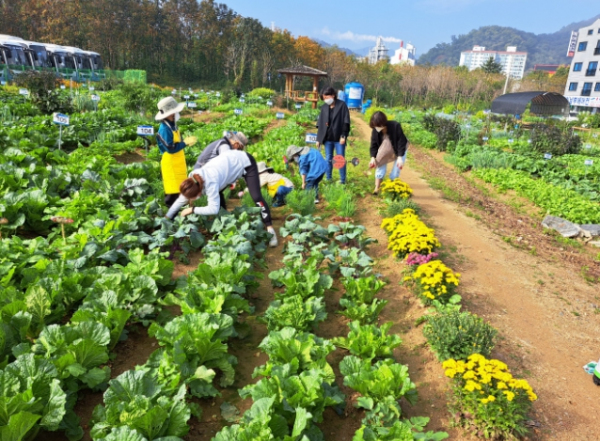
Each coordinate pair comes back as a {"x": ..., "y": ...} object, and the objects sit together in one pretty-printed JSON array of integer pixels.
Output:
[
  {"x": 174, "y": 92},
  {"x": 280, "y": 115},
  {"x": 92, "y": 88},
  {"x": 311, "y": 138},
  {"x": 218, "y": 94},
  {"x": 242, "y": 100},
  {"x": 485, "y": 138},
  {"x": 95, "y": 98},
  {"x": 145, "y": 130},
  {"x": 547, "y": 156},
  {"x": 60, "y": 119},
  {"x": 588, "y": 146},
  {"x": 510, "y": 140},
  {"x": 63, "y": 87},
  {"x": 23, "y": 92},
  {"x": 269, "y": 103},
  {"x": 298, "y": 106},
  {"x": 186, "y": 97},
  {"x": 191, "y": 105},
  {"x": 238, "y": 111},
  {"x": 589, "y": 162}
]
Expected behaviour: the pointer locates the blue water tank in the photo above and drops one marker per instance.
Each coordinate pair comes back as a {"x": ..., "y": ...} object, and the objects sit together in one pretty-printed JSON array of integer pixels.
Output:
[
  {"x": 342, "y": 96},
  {"x": 354, "y": 95}
]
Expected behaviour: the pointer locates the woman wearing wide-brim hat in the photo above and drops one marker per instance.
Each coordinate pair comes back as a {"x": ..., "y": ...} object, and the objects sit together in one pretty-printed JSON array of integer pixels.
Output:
[{"x": 172, "y": 164}]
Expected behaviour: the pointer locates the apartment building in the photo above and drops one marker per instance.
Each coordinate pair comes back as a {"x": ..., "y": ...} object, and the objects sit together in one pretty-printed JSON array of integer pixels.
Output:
[
  {"x": 583, "y": 85},
  {"x": 511, "y": 61}
]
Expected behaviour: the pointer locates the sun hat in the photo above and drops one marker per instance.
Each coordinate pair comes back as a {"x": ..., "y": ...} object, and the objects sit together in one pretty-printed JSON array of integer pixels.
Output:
[
  {"x": 294, "y": 150},
  {"x": 262, "y": 167},
  {"x": 167, "y": 107},
  {"x": 239, "y": 137}
]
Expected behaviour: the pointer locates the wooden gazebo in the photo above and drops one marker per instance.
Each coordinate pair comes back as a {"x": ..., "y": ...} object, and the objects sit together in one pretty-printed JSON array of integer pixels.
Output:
[{"x": 299, "y": 95}]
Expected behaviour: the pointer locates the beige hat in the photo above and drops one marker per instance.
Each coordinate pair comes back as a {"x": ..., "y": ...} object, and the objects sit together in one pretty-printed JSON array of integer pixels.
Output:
[
  {"x": 167, "y": 107},
  {"x": 293, "y": 151},
  {"x": 262, "y": 167},
  {"x": 239, "y": 137}
]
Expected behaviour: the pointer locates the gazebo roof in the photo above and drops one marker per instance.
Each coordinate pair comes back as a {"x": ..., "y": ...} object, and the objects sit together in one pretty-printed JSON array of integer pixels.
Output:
[
  {"x": 542, "y": 103},
  {"x": 303, "y": 70}
]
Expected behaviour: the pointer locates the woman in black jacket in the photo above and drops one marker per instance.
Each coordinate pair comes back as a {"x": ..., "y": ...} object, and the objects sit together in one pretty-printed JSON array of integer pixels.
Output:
[
  {"x": 333, "y": 129},
  {"x": 388, "y": 144}
]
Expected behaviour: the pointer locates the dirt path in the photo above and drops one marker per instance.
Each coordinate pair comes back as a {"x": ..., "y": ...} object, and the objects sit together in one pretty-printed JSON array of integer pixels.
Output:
[{"x": 545, "y": 312}]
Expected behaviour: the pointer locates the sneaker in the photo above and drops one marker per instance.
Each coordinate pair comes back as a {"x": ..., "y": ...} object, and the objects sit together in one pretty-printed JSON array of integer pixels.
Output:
[{"x": 273, "y": 241}]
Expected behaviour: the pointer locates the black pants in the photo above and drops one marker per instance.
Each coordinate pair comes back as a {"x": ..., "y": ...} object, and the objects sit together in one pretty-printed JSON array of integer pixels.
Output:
[
  {"x": 170, "y": 199},
  {"x": 253, "y": 183}
]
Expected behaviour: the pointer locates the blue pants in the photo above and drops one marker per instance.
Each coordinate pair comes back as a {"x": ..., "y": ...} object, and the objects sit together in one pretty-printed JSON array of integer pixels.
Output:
[
  {"x": 340, "y": 149},
  {"x": 279, "y": 198},
  {"x": 394, "y": 174},
  {"x": 313, "y": 184}
]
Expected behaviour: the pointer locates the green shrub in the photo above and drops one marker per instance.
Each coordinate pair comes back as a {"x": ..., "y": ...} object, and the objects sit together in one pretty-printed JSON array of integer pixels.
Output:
[
  {"x": 554, "y": 140},
  {"x": 301, "y": 201},
  {"x": 395, "y": 208},
  {"x": 446, "y": 130},
  {"x": 262, "y": 92},
  {"x": 458, "y": 335},
  {"x": 43, "y": 92}
]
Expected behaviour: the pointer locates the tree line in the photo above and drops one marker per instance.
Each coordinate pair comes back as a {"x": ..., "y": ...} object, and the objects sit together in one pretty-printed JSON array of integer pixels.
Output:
[{"x": 207, "y": 44}]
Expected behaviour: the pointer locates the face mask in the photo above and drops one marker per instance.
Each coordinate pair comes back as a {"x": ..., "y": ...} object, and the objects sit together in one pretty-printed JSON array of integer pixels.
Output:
[
  {"x": 379, "y": 129},
  {"x": 177, "y": 117},
  {"x": 329, "y": 101}
]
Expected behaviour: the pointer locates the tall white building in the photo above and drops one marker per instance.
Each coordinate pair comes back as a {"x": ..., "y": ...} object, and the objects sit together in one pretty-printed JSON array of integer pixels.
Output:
[
  {"x": 406, "y": 54},
  {"x": 583, "y": 85},
  {"x": 378, "y": 53},
  {"x": 510, "y": 60}
]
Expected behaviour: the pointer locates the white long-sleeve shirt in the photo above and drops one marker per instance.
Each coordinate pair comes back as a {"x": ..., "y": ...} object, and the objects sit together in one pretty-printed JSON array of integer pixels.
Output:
[{"x": 217, "y": 174}]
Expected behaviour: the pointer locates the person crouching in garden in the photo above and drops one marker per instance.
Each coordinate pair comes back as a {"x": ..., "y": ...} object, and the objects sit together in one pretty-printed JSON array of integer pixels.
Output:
[
  {"x": 213, "y": 178},
  {"x": 388, "y": 145},
  {"x": 278, "y": 186},
  {"x": 172, "y": 164},
  {"x": 312, "y": 167},
  {"x": 230, "y": 141},
  {"x": 333, "y": 128}
]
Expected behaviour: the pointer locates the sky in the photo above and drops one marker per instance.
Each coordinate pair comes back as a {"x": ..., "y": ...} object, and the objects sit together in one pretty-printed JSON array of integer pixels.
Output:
[{"x": 355, "y": 24}]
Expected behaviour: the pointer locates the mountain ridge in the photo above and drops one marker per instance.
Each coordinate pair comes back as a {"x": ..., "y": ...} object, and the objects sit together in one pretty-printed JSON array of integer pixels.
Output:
[{"x": 541, "y": 48}]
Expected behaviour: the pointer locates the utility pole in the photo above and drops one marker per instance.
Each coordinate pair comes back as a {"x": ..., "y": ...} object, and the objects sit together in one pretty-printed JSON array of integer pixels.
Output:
[{"x": 507, "y": 73}]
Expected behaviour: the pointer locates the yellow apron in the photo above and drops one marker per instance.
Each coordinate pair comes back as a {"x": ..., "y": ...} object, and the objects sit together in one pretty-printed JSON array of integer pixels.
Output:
[
  {"x": 272, "y": 188},
  {"x": 174, "y": 170}
]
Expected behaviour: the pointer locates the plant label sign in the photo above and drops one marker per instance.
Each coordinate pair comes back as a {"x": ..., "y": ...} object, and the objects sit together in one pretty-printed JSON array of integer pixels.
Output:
[
  {"x": 589, "y": 162},
  {"x": 311, "y": 138},
  {"x": 588, "y": 146},
  {"x": 63, "y": 87},
  {"x": 192, "y": 105},
  {"x": 186, "y": 97},
  {"x": 218, "y": 94},
  {"x": 280, "y": 115},
  {"x": 92, "y": 88},
  {"x": 95, "y": 98},
  {"x": 510, "y": 140},
  {"x": 238, "y": 111},
  {"x": 547, "y": 156},
  {"x": 270, "y": 103},
  {"x": 174, "y": 92},
  {"x": 145, "y": 130},
  {"x": 242, "y": 100},
  {"x": 60, "y": 119},
  {"x": 485, "y": 138},
  {"x": 298, "y": 106},
  {"x": 23, "y": 92}
]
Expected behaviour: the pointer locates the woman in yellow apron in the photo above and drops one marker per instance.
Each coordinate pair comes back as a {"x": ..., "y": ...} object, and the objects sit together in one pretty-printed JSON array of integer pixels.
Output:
[{"x": 172, "y": 164}]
